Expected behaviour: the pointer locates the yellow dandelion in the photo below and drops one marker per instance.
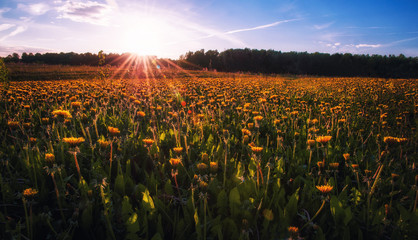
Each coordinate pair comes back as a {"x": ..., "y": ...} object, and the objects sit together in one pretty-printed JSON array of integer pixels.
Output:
[
  {"x": 325, "y": 188},
  {"x": 310, "y": 142},
  {"x": 323, "y": 139},
  {"x": 140, "y": 113},
  {"x": 202, "y": 166},
  {"x": 113, "y": 131},
  {"x": 148, "y": 141},
  {"x": 49, "y": 157},
  {"x": 334, "y": 165},
  {"x": 257, "y": 149},
  {"x": 346, "y": 156},
  {"x": 178, "y": 150},
  {"x": 61, "y": 113},
  {"x": 175, "y": 161},
  {"x": 103, "y": 143},
  {"x": 30, "y": 192},
  {"x": 73, "y": 141},
  {"x": 213, "y": 166}
]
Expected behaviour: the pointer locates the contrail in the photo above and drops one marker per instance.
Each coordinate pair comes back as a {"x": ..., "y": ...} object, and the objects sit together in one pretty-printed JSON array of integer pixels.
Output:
[{"x": 260, "y": 27}]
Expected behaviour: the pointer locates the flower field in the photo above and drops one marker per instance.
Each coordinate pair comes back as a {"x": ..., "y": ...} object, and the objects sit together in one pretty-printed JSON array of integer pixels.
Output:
[{"x": 229, "y": 157}]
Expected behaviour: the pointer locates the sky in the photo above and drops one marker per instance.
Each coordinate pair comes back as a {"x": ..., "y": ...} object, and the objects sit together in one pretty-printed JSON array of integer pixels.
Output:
[{"x": 170, "y": 28}]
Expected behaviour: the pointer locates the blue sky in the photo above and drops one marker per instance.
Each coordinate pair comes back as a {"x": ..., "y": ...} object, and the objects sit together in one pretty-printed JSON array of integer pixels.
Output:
[{"x": 169, "y": 28}]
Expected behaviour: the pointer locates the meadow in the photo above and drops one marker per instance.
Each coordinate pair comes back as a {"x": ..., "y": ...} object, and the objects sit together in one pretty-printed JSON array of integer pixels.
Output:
[{"x": 209, "y": 156}]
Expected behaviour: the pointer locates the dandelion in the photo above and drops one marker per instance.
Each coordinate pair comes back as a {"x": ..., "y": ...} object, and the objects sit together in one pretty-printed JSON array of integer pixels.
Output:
[
  {"x": 346, "y": 156},
  {"x": 202, "y": 166},
  {"x": 323, "y": 139},
  {"x": 44, "y": 120},
  {"x": 73, "y": 141},
  {"x": 29, "y": 192},
  {"x": 293, "y": 231},
  {"x": 49, "y": 157},
  {"x": 213, "y": 166},
  {"x": 257, "y": 149},
  {"x": 148, "y": 141},
  {"x": 334, "y": 165},
  {"x": 175, "y": 161},
  {"x": 246, "y": 131},
  {"x": 62, "y": 113},
  {"x": 76, "y": 104},
  {"x": 205, "y": 157},
  {"x": 113, "y": 131},
  {"x": 310, "y": 143},
  {"x": 103, "y": 143},
  {"x": 13, "y": 124},
  {"x": 203, "y": 184},
  {"x": 325, "y": 188},
  {"x": 178, "y": 150}
]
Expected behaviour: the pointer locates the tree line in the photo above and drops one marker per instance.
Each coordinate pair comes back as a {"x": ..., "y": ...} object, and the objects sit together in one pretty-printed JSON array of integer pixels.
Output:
[
  {"x": 321, "y": 64},
  {"x": 252, "y": 60},
  {"x": 72, "y": 58}
]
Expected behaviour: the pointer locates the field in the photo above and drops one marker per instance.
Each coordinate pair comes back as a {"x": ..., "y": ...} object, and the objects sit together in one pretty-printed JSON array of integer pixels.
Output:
[{"x": 223, "y": 156}]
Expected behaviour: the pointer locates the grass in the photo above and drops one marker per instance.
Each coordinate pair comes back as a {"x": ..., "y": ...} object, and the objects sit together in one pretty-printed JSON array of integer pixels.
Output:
[{"x": 224, "y": 156}]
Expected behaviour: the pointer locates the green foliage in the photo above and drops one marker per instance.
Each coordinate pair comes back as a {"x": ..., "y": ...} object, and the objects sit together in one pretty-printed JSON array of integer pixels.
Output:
[
  {"x": 4, "y": 72},
  {"x": 242, "y": 159}
]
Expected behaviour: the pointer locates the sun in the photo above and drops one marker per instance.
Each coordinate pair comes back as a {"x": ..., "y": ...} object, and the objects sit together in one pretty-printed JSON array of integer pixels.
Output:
[{"x": 144, "y": 36}]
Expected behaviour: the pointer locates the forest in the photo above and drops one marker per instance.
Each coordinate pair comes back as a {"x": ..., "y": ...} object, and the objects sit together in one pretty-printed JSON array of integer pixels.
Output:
[{"x": 253, "y": 61}]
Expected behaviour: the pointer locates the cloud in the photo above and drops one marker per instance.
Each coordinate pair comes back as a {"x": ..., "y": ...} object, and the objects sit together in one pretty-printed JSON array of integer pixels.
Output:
[
  {"x": 34, "y": 9},
  {"x": 333, "y": 45},
  {"x": 3, "y": 10},
  {"x": 90, "y": 12},
  {"x": 18, "y": 30},
  {"x": 260, "y": 27},
  {"x": 362, "y": 45},
  {"x": 6, "y": 50},
  {"x": 323, "y": 26},
  {"x": 5, "y": 26},
  {"x": 402, "y": 41}
]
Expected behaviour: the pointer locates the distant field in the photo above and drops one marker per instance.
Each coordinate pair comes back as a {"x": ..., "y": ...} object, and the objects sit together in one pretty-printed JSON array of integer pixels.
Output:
[{"x": 203, "y": 155}]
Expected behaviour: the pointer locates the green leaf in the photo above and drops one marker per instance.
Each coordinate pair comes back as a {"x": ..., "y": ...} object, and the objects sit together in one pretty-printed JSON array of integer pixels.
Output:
[
  {"x": 162, "y": 136},
  {"x": 157, "y": 236},
  {"x": 234, "y": 197},
  {"x": 337, "y": 210},
  {"x": 234, "y": 201},
  {"x": 292, "y": 207},
  {"x": 132, "y": 224},
  {"x": 87, "y": 217},
  {"x": 126, "y": 208},
  {"x": 252, "y": 167},
  {"x": 120, "y": 185},
  {"x": 147, "y": 201},
  {"x": 168, "y": 188},
  {"x": 222, "y": 202}
]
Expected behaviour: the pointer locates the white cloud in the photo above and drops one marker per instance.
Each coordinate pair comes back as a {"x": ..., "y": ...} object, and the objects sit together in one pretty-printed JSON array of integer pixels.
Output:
[
  {"x": 323, "y": 26},
  {"x": 5, "y": 26},
  {"x": 362, "y": 45},
  {"x": 34, "y": 9},
  {"x": 89, "y": 11},
  {"x": 3, "y": 10},
  {"x": 18, "y": 30},
  {"x": 260, "y": 27}
]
